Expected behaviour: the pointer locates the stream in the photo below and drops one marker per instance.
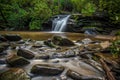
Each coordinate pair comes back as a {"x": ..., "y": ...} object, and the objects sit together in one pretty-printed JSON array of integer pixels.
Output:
[{"x": 54, "y": 58}]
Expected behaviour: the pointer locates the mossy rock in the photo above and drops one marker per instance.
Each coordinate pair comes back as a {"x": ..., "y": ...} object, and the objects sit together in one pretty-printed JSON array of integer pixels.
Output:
[
  {"x": 49, "y": 43},
  {"x": 58, "y": 40},
  {"x": 14, "y": 74},
  {"x": 46, "y": 69},
  {"x": 15, "y": 60},
  {"x": 25, "y": 53}
]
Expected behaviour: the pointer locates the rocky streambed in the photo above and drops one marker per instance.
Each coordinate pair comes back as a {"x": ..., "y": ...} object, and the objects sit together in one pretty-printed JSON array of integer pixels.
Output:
[{"x": 56, "y": 58}]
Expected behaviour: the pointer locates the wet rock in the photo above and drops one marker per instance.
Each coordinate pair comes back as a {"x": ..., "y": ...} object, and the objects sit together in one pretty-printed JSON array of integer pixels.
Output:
[
  {"x": 14, "y": 74},
  {"x": 76, "y": 76},
  {"x": 2, "y": 39},
  {"x": 105, "y": 44},
  {"x": 69, "y": 53},
  {"x": 2, "y": 61},
  {"x": 66, "y": 42},
  {"x": 14, "y": 60},
  {"x": 47, "y": 70},
  {"x": 49, "y": 43},
  {"x": 86, "y": 41},
  {"x": 93, "y": 47},
  {"x": 58, "y": 40},
  {"x": 43, "y": 56},
  {"x": 3, "y": 46},
  {"x": 3, "y": 53},
  {"x": 25, "y": 53},
  {"x": 1, "y": 49},
  {"x": 13, "y": 37},
  {"x": 38, "y": 44},
  {"x": 21, "y": 42}
]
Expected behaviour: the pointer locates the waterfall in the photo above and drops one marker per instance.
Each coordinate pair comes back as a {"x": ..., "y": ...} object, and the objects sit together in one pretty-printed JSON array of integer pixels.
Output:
[{"x": 59, "y": 23}]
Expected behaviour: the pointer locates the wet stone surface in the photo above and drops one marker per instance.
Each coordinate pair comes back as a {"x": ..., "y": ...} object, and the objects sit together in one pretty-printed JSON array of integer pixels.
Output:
[
  {"x": 14, "y": 74},
  {"x": 57, "y": 58},
  {"x": 43, "y": 69}
]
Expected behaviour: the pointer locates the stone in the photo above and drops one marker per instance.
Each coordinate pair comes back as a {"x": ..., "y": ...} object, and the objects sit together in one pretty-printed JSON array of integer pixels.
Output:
[
  {"x": 3, "y": 46},
  {"x": 49, "y": 43},
  {"x": 86, "y": 41},
  {"x": 14, "y": 74},
  {"x": 58, "y": 40},
  {"x": 25, "y": 53},
  {"x": 46, "y": 69},
  {"x": 2, "y": 61},
  {"x": 43, "y": 56},
  {"x": 105, "y": 44},
  {"x": 13, "y": 37},
  {"x": 76, "y": 76},
  {"x": 14, "y": 60},
  {"x": 1, "y": 49}
]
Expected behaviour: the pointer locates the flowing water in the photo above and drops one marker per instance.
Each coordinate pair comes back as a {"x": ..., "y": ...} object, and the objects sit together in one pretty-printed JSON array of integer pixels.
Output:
[{"x": 59, "y": 23}]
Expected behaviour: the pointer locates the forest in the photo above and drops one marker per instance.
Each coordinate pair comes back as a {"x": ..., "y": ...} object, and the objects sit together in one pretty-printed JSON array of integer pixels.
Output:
[{"x": 31, "y": 14}]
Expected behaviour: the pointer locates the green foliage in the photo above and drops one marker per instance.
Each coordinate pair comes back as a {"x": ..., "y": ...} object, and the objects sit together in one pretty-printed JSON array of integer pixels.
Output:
[
  {"x": 112, "y": 8},
  {"x": 35, "y": 25},
  {"x": 83, "y": 6},
  {"x": 115, "y": 48},
  {"x": 22, "y": 14}
]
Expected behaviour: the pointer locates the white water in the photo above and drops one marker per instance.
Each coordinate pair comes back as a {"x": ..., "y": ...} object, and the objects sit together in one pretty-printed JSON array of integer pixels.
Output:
[{"x": 59, "y": 24}]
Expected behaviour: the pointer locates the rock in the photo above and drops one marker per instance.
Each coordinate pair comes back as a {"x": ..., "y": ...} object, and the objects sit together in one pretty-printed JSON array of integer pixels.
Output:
[
  {"x": 2, "y": 38},
  {"x": 105, "y": 44},
  {"x": 93, "y": 47},
  {"x": 76, "y": 76},
  {"x": 3, "y": 53},
  {"x": 86, "y": 41},
  {"x": 46, "y": 69},
  {"x": 58, "y": 40},
  {"x": 1, "y": 49},
  {"x": 21, "y": 42},
  {"x": 14, "y": 60},
  {"x": 49, "y": 43},
  {"x": 2, "y": 61},
  {"x": 43, "y": 56},
  {"x": 38, "y": 44},
  {"x": 25, "y": 53},
  {"x": 3, "y": 46},
  {"x": 14, "y": 74},
  {"x": 13, "y": 37},
  {"x": 66, "y": 42}
]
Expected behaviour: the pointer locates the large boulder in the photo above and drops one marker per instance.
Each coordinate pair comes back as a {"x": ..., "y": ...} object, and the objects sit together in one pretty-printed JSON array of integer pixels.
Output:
[
  {"x": 14, "y": 74},
  {"x": 14, "y": 60},
  {"x": 13, "y": 37},
  {"x": 46, "y": 69},
  {"x": 58, "y": 40},
  {"x": 76, "y": 76},
  {"x": 25, "y": 53}
]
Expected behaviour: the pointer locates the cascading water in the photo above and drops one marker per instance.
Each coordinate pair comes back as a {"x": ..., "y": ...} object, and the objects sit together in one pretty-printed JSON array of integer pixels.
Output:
[{"x": 59, "y": 23}]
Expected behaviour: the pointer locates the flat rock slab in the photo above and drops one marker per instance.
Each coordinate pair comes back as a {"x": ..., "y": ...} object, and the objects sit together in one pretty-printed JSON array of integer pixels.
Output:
[
  {"x": 25, "y": 53},
  {"x": 15, "y": 60},
  {"x": 46, "y": 70}
]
